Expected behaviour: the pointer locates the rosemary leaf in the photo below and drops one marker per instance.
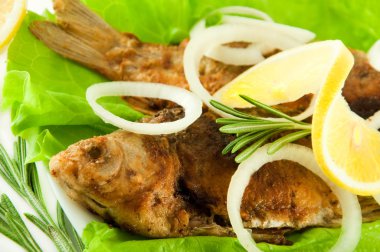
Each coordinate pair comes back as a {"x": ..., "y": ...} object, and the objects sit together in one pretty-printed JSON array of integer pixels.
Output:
[
  {"x": 9, "y": 171},
  {"x": 246, "y": 127},
  {"x": 20, "y": 150},
  {"x": 229, "y": 120},
  {"x": 4, "y": 228},
  {"x": 21, "y": 239},
  {"x": 16, "y": 224},
  {"x": 68, "y": 228},
  {"x": 270, "y": 109},
  {"x": 9, "y": 208},
  {"x": 10, "y": 165},
  {"x": 40, "y": 224},
  {"x": 249, "y": 139},
  {"x": 59, "y": 240},
  {"x": 33, "y": 181},
  {"x": 76, "y": 238},
  {"x": 281, "y": 142},
  {"x": 9, "y": 181},
  {"x": 61, "y": 218},
  {"x": 251, "y": 149},
  {"x": 24, "y": 180},
  {"x": 251, "y": 128},
  {"x": 231, "y": 111},
  {"x": 229, "y": 146}
]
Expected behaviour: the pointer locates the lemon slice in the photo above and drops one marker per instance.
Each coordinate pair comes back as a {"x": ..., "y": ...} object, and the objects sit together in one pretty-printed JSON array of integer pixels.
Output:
[
  {"x": 284, "y": 77},
  {"x": 346, "y": 146},
  {"x": 11, "y": 15}
]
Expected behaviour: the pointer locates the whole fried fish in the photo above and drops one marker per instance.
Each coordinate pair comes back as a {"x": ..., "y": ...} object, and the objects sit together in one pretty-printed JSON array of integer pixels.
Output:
[
  {"x": 82, "y": 36},
  {"x": 176, "y": 185}
]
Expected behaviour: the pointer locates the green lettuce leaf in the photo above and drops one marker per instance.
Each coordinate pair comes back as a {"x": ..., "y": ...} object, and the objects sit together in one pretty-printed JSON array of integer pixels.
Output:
[
  {"x": 45, "y": 90},
  {"x": 357, "y": 23},
  {"x": 99, "y": 237},
  {"x": 45, "y": 94}
]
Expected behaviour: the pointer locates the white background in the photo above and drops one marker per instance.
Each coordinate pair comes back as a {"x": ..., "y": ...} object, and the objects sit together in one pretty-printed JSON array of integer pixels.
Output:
[{"x": 37, "y": 6}]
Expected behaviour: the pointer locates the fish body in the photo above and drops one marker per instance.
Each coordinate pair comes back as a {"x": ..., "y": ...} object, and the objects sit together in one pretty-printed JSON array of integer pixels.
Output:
[
  {"x": 82, "y": 36},
  {"x": 176, "y": 185}
]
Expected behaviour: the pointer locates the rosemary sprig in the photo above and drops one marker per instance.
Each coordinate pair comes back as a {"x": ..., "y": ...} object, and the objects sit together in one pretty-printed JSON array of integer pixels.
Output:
[
  {"x": 23, "y": 178},
  {"x": 12, "y": 226},
  {"x": 257, "y": 131}
]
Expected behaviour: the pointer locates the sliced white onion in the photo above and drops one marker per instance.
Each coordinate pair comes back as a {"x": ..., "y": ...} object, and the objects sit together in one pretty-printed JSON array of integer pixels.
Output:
[
  {"x": 190, "y": 102},
  {"x": 296, "y": 33},
  {"x": 374, "y": 121},
  {"x": 223, "y": 34},
  {"x": 242, "y": 10},
  {"x": 351, "y": 212},
  {"x": 247, "y": 56},
  {"x": 374, "y": 55},
  {"x": 253, "y": 53}
]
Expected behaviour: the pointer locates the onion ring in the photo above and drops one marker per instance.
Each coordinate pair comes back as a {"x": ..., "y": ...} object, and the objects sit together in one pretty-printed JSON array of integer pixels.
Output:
[
  {"x": 242, "y": 10},
  {"x": 374, "y": 121},
  {"x": 351, "y": 212},
  {"x": 218, "y": 35},
  {"x": 253, "y": 53},
  {"x": 190, "y": 102},
  {"x": 374, "y": 55}
]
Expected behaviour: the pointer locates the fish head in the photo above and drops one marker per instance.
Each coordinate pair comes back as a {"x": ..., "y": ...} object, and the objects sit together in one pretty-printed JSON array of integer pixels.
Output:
[
  {"x": 114, "y": 168},
  {"x": 89, "y": 168}
]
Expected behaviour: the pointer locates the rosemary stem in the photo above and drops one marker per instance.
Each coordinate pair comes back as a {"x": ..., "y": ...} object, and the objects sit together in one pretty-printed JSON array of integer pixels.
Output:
[
  {"x": 302, "y": 126},
  {"x": 258, "y": 130}
]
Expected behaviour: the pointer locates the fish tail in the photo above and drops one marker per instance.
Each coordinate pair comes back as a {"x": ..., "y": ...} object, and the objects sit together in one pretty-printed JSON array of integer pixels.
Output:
[
  {"x": 76, "y": 19},
  {"x": 79, "y": 35}
]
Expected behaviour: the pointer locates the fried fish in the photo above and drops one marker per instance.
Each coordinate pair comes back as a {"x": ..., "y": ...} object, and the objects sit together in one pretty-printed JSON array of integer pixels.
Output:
[
  {"x": 82, "y": 36},
  {"x": 176, "y": 185}
]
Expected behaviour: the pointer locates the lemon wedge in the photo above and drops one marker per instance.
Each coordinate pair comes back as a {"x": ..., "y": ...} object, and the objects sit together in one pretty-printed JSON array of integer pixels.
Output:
[
  {"x": 346, "y": 146},
  {"x": 284, "y": 77},
  {"x": 11, "y": 15}
]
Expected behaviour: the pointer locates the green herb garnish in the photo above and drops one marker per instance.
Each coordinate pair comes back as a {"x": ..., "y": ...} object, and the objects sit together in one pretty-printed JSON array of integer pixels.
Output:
[
  {"x": 252, "y": 132},
  {"x": 12, "y": 226},
  {"x": 23, "y": 178}
]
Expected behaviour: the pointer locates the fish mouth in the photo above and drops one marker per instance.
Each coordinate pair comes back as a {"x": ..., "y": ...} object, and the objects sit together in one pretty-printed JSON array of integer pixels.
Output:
[
  {"x": 89, "y": 202},
  {"x": 95, "y": 205}
]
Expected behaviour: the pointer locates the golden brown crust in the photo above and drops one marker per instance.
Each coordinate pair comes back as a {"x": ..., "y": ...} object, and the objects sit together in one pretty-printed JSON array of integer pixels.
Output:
[{"x": 362, "y": 87}]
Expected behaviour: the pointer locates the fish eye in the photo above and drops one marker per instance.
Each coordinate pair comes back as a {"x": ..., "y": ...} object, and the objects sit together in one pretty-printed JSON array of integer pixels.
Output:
[{"x": 94, "y": 152}]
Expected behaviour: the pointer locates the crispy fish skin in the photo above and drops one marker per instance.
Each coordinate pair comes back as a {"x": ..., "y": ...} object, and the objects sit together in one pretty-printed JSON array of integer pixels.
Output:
[
  {"x": 176, "y": 185},
  {"x": 126, "y": 178},
  {"x": 362, "y": 87},
  {"x": 281, "y": 194},
  {"x": 82, "y": 36}
]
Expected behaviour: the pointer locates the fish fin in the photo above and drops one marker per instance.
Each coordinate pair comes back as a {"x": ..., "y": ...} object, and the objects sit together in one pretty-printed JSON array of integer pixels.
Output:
[
  {"x": 69, "y": 46},
  {"x": 80, "y": 22}
]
